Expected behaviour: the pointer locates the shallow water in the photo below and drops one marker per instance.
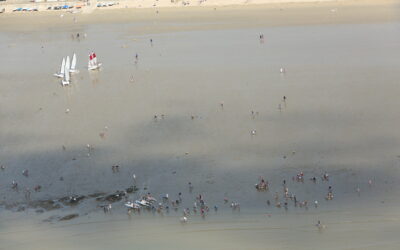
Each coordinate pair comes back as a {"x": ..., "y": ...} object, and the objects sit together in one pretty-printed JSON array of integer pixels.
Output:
[
  {"x": 340, "y": 116},
  {"x": 344, "y": 229}
]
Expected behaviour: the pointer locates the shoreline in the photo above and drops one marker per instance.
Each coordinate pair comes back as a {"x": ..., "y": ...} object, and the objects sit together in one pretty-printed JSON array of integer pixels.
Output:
[
  {"x": 90, "y": 6},
  {"x": 243, "y": 16}
]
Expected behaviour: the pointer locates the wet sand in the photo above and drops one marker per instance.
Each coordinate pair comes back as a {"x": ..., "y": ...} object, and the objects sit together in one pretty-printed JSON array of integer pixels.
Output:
[{"x": 340, "y": 116}]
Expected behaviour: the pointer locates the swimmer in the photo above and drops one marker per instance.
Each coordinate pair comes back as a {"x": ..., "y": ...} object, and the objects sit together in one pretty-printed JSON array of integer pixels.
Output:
[
  {"x": 314, "y": 179},
  {"x": 276, "y": 196},
  {"x": 190, "y": 187},
  {"x": 25, "y": 173},
  {"x": 134, "y": 178},
  {"x": 165, "y": 197},
  {"x": 27, "y": 194},
  {"x": 14, "y": 185}
]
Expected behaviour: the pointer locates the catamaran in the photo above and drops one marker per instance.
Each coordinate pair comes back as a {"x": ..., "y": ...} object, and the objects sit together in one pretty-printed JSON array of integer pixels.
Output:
[
  {"x": 65, "y": 81},
  {"x": 93, "y": 64},
  {"x": 73, "y": 65},
  {"x": 62, "y": 69}
]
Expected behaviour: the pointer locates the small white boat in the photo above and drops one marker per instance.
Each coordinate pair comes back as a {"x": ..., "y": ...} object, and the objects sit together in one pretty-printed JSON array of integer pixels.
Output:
[
  {"x": 142, "y": 203},
  {"x": 62, "y": 69},
  {"x": 93, "y": 64},
  {"x": 66, "y": 81},
  {"x": 132, "y": 205},
  {"x": 73, "y": 69}
]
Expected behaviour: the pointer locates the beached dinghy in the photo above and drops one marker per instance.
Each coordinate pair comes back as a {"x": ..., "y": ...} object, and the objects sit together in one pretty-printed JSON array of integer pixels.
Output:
[
  {"x": 132, "y": 205},
  {"x": 65, "y": 81},
  {"x": 93, "y": 64},
  {"x": 62, "y": 69},
  {"x": 73, "y": 69},
  {"x": 143, "y": 203}
]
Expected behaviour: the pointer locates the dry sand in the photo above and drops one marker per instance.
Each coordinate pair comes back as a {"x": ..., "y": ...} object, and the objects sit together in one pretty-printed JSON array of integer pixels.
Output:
[
  {"x": 209, "y": 17},
  {"x": 340, "y": 116}
]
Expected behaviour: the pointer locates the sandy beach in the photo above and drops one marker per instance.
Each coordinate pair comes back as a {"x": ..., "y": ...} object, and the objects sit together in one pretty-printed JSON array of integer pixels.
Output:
[{"x": 193, "y": 94}]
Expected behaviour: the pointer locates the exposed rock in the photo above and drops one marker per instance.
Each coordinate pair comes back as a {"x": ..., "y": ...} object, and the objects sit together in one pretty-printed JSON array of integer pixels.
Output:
[
  {"x": 50, "y": 219},
  {"x": 132, "y": 189},
  {"x": 71, "y": 200},
  {"x": 117, "y": 196},
  {"x": 68, "y": 217},
  {"x": 46, "y": 205},
  {"x": 20, "y": 209},
  {"x": 95, "y": 195},
  {"x": 11, "y": 205}
]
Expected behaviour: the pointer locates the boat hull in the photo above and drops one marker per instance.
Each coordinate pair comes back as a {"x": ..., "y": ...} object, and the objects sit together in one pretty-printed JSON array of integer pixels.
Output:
[
  {"x": 94, "y": 67},
  {"x": 64, "y": 83}
]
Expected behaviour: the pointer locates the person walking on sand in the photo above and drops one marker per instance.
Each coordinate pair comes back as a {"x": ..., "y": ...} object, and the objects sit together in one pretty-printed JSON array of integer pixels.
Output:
[
  {"x": 358, "y": 191},
  {"x": 320, "y": 226},
  {"x": 261, "y": 38}
]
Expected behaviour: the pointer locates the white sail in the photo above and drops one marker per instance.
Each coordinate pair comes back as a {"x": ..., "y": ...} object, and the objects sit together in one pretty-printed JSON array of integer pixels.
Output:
[
  {"x": 90, "y": 63},
  {"x": 94, "y": 59},
  {"x": 62, "y": 66},
  {"x": 73, "y": 63},
  {"x": 67, "y": 68}
]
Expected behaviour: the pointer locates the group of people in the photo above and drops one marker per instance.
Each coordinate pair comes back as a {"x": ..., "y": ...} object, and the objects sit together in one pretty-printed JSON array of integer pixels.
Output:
[{"x": 149, "y": 203}]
